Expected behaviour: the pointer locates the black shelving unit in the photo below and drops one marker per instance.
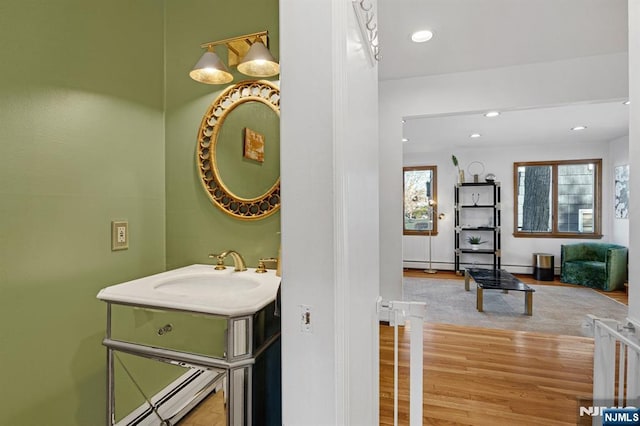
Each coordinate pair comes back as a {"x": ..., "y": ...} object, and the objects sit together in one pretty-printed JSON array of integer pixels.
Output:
[{"x": 463, "y": 209}]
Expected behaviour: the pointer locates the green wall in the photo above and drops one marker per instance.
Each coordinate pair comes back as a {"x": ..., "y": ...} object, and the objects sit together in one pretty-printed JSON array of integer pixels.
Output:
[
  {"x": 93, "y": 130},
  {"x": 195, "y": 227},
  {"x": 82, "y": 144}
]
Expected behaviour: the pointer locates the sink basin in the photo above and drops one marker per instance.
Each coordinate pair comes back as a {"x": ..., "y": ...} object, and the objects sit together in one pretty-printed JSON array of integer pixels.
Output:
[
  {"x": 206, "y": 286},
  {"x": 199, "y": 288}
]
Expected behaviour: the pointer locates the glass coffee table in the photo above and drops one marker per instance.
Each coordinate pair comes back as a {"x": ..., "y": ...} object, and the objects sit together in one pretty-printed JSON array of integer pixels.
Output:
[{"x": 497, "y": 279}]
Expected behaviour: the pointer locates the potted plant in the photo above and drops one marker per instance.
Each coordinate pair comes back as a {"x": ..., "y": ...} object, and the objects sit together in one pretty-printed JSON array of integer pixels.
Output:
[
  {"x": 454, "y": 159},
  {"x": 475, "y": 242}
]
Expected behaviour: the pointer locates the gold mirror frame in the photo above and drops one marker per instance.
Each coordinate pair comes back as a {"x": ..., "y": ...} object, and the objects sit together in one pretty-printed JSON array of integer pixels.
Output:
[{"x": 243, "y": 208}]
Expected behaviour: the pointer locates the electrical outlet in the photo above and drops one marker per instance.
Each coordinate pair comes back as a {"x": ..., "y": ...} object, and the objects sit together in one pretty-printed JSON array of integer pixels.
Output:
[
  {"x": 305, "y": 319},
  {"x": 119, "y": 235}
]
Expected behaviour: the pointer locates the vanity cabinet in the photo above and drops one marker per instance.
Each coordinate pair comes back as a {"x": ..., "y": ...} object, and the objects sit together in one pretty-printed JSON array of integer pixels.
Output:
[
  {"x": 238, "y": 356},
  {"x": 173, "y": 330},
  {"x": 477, "y": 213}
]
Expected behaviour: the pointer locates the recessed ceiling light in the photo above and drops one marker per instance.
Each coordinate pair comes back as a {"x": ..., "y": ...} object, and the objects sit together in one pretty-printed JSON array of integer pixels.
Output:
[
  {"x": 579, "y": 128},
  {"x": 491, "y": 114},
  {"x": 421, "y": 36},
  {"x": 475, "y": 135},
  {"x": 405, "y": 140},
  {"x": 626, "y": 102}
]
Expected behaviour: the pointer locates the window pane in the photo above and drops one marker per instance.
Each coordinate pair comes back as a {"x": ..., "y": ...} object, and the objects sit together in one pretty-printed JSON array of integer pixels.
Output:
[
  {"x": 418, "y": 190},
  {"x": 576, "y": 188},
  {"x": 558, "y": 198},
  {"x": 534, "y": 199}
]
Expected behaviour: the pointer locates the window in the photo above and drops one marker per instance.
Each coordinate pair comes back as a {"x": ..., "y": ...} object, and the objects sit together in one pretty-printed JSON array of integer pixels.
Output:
[
  {"x": 420, "y": 195},
  {"x": 558, "y": 199}
]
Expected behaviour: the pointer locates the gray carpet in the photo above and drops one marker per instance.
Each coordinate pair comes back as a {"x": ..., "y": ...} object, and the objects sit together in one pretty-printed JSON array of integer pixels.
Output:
[{"x": 556, "y": 309}]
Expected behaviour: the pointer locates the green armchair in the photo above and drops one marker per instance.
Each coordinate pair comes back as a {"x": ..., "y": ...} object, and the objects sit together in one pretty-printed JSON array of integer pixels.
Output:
[{"x": 597, "y": 265}]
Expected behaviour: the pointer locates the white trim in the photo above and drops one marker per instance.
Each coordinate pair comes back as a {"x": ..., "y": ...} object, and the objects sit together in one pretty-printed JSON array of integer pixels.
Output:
[
  {"x": 368, "y": 25},
  {"x": 340, "y": 229}
]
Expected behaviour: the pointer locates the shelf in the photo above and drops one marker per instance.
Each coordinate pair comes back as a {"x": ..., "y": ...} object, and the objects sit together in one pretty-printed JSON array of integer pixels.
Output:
[
  {"x": 489, "y": 213},
  {"x": 479, "y": 184},
  {"x": 477, "y": 206},
  {"x": 480, "y": 251},
  {"x": 479, "y": 228}
]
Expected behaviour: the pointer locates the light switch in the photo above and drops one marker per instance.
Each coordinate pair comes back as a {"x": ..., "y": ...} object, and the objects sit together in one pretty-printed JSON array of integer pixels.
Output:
[{"x": 119, "y": 235}]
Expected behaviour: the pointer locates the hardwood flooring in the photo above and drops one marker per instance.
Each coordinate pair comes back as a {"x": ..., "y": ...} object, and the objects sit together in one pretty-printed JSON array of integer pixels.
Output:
[
  {"x": 478, "y": 376},
  {"x": 210, "y": 412}
]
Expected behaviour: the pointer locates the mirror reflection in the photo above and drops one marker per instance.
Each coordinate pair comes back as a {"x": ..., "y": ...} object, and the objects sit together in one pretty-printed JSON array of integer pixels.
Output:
[
  {"x": 153, "y": 392},
  {"x": 249, "y": 170}
]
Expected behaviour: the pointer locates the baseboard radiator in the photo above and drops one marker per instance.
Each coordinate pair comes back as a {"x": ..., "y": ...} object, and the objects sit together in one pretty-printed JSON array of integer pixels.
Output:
[
  {"x": 175, "y": 401},
  {"x": 399, "y": 313},
  {"x": 616, "y": 367}
]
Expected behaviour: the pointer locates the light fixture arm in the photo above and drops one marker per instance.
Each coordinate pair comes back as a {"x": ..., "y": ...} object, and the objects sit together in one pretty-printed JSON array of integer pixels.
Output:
[
  {"x": 239, "y": 46},
  {"x": 261, "y": 35}
]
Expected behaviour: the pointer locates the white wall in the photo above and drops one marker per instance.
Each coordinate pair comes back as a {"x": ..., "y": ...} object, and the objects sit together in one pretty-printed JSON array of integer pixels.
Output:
[
  {"x": 329, "y": 170},
  {"x": 359, "y": 240},
  {"x": 554, "y": 83},
  {"x": 634, "y": 158},
  {"x": 516, "y": 252},
  {"x": 618, "y": 156}
]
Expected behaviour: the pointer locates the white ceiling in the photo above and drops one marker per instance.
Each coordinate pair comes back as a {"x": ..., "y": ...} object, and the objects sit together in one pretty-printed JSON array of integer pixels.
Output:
[
  {"x": 605, "y": 121},
  {"x": 483, "y": 34}
]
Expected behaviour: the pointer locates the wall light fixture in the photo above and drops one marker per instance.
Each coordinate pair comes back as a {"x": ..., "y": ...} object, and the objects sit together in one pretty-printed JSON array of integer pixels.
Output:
[{"x": 248, "y": 52}]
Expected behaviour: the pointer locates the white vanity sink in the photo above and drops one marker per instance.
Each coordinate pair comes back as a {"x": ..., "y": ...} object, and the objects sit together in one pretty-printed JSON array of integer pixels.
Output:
[{"x": 199, "y": 288}]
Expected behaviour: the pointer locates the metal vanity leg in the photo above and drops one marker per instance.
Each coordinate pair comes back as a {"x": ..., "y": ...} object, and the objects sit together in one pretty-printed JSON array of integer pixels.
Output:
[
  {"x": 111, "y": 401},
  {"x": 479, "y": 299},
  {"x": 110, "y": 389},
  {"x": 466, "y": 280}
]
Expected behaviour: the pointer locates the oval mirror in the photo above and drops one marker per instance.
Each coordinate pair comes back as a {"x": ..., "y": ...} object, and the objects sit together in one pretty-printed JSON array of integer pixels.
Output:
[{"x": 238, "y": 153}]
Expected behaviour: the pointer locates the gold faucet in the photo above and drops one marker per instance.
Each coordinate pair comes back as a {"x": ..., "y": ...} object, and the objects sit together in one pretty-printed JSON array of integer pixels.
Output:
[
  {"x": 238, "y": 261},
  {"x": 262, "y": 268}
]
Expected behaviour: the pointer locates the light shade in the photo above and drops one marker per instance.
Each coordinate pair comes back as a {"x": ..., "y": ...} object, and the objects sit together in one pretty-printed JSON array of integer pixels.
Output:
[
  {"x": 210, "y": 69},
  {"x": 258, "y": 62}
]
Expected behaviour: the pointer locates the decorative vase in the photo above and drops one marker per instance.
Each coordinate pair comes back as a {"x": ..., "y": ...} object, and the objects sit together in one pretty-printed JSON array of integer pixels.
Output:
[
  {"x": 475, "y": 246},
  {"x": 460, "y": 176}
]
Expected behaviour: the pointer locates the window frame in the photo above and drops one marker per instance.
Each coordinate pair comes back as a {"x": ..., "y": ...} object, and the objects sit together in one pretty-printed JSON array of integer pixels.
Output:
[
  {"x": 434, "y": 196},
  {"x": 597, "y": 203}
]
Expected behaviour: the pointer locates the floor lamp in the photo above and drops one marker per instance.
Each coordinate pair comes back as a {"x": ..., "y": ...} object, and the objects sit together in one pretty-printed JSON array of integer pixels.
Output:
[{"x": 431, "y": 206}]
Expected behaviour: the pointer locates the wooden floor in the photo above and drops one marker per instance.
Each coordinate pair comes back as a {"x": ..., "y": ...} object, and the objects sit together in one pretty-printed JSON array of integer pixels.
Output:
[
  {"x": 210, "y": 412},
  {"x": 478, "y": 376}
]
